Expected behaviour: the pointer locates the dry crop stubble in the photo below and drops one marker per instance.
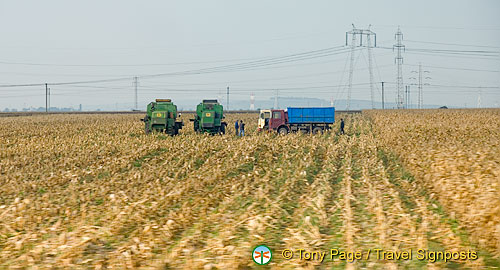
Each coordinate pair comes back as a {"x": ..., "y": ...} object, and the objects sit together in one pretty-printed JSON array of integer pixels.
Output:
[
  {"x": 93, "y": 191},
  {"x": 456, "y": 154}
]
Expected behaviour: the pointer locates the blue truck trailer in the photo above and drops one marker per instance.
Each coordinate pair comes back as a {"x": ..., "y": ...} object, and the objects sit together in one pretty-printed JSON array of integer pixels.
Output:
[{"x": 294, "y": 119}]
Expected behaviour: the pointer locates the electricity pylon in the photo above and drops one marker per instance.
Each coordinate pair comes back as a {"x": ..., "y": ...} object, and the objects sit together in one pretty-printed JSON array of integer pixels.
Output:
[
  {"x": 420, "y": 84},
  {"x": 355, "y": 32},
  {"x": 399, "y": 61}
]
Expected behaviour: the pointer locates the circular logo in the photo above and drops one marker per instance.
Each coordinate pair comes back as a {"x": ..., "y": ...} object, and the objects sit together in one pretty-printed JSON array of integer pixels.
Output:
[{"x": 262, "y": 255}]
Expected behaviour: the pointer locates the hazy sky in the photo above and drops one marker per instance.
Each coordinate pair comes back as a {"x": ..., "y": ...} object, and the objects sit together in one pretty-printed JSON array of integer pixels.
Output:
[{"x": 67, "y": 41}]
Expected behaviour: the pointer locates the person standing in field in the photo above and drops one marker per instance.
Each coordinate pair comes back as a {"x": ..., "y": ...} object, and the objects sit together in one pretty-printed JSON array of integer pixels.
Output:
[
  {"x": 236, "y": 127},
  {"x": 242, "y": 128},
  {"x": 341, "y": 126}
]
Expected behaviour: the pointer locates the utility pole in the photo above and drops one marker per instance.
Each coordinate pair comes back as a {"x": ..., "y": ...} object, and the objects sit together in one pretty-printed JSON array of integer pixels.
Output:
[
  {"x": 46, "y": 97},
  {"x": 276, "y": 100},
  {"x": 383, "y": 105},
  {"x": 135, "y": 87},
  {"x": 399, "y": 61},
  {"x": 405, "y": 105},
  {"x": 420, "y": 90},
  {"x": 354, "y": 33},
  {"x": 479, "y": 94},
  {"x": 408, "y": 97},
  {"x": 227, "y": 99}
]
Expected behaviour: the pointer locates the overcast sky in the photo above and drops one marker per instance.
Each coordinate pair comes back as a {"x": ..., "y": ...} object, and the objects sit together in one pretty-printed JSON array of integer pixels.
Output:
[{"x": 67, "y": 41}]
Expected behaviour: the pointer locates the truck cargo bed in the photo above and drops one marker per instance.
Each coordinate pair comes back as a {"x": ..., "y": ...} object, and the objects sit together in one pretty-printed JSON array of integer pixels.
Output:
[{"x": 315, "y": 115}]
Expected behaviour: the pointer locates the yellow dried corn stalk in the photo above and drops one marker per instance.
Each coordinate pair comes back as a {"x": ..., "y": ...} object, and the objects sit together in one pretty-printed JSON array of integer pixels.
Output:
[
  {"x": 456, "y": 154},
  {"x": 94, "y": 191}
]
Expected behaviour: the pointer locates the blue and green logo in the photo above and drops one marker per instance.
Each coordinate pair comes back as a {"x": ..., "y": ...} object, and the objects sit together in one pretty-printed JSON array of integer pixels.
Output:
[{"x": 262, "y": 254}]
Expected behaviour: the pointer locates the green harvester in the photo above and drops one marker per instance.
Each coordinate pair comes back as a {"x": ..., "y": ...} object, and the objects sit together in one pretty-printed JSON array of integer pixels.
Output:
[
  {"x": 208, "y": 118},
  {"x": 161, "y": 116}
]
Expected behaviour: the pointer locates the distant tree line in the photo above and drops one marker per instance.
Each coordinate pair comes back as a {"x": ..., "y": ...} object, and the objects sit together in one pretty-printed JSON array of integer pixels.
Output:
[{"x": 41, "y": 109}]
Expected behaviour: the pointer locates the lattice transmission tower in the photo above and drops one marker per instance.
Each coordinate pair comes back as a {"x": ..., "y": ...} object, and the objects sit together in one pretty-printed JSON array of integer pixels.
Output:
[
  {"x": 399, "y": 62},
  {"x": 355, "y": 33},
  {"x": 420, "y": 84}
]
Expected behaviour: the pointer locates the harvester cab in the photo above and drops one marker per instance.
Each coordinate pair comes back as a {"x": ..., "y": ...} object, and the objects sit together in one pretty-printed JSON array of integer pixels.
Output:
[
  {"x": 208, "y": 117},
  {"x": 161, "y": 116}
]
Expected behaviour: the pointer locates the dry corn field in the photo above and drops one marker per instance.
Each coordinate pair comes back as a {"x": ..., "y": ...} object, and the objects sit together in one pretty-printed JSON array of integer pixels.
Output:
[{"x": 94, "y": 192}]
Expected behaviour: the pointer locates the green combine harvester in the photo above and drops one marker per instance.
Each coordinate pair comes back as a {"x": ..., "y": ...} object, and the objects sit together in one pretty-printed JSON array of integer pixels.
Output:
[
  {"x": 208, "y": 118},
  {"x": 161, "y": 116}
]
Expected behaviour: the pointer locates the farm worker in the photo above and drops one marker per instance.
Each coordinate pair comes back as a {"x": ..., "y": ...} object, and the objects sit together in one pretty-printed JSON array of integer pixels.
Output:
[
  {"x": 341, "y": 126},
  {"x": 242, "y": 128},
  {"x": 236, "y": 127}
]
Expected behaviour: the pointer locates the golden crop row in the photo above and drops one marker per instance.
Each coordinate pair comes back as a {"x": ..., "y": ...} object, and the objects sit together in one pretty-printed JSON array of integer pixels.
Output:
[
  {"x": 93, "y": 191},
  {"x": 456, "y": 154}
]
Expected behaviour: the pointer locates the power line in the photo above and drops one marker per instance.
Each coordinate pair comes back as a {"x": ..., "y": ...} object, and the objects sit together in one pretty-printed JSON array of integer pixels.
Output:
[
  {"x": 341, "y": 79},
  {"x": 453, "y": 44},
  {"x": 494, "y": 53},
  {"x": 442, "y": 27},
  {"x": 226, "y": 68},
  {"x": 457, "y": 53},
  {"x": 472, "y": 52},
  {"x": 464, "y": 86},
  {"x": 454, "y": 56},
  {"x": 457, "y": 86},
  {"x": 212, "y": 83},
  {"x": 253, "y": 64},
  {"x": 135, "y": 65},
  {"x": 466, "y": 89},
  {"x": 457, "y": 68}
]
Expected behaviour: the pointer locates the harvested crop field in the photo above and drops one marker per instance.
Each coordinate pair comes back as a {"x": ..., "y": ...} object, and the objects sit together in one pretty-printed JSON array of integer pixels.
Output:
[{"x": 95, "y": 192}]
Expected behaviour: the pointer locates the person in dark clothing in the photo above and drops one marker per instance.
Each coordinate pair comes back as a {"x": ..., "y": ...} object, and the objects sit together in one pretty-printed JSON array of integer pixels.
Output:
[
  {"x": 341, "y": 126},
  {"x": 236, "y": 127},
  {"x": 242, "y": 128}
]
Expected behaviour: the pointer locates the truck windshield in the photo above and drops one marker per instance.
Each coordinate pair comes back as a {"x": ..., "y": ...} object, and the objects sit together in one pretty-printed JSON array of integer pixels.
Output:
[{"x": 265, "y": 115}]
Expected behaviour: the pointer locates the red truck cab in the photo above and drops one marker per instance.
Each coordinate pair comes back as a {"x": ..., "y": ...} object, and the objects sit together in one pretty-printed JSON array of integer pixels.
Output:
[{"x": 273, "y": 120}]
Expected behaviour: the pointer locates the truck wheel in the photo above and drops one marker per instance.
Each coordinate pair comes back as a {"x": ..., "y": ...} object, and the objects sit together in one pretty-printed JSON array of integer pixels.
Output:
[
  {"x": 317, "y": 130},
  {"x": 282, "y": 131}
]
